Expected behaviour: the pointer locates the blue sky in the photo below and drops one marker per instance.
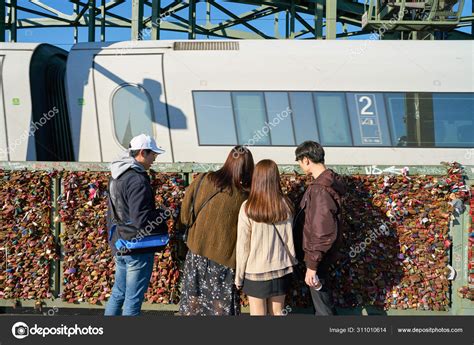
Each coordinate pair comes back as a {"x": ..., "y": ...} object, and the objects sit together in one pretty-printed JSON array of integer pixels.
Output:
[{"x": 63, "y": 37}]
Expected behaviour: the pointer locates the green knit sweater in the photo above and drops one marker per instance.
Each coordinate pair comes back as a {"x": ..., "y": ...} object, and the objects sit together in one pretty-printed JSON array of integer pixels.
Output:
[{"x": 214, "y": 233}]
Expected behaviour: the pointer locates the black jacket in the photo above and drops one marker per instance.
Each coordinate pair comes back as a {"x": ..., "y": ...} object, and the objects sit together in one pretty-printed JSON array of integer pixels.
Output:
[{"x": 134, "y": 202}]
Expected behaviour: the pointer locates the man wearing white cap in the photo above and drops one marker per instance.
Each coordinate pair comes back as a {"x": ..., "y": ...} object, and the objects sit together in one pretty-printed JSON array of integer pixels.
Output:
[{"x": 132, "y": 208}]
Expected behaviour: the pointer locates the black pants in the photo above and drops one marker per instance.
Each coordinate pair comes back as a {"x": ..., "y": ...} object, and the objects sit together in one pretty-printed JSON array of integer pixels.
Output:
[{"x": 323, "y": 302}]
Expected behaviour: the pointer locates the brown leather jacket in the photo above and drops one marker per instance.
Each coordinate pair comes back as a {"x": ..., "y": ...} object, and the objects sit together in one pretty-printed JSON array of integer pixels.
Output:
[{"x": 319, "y": 215}]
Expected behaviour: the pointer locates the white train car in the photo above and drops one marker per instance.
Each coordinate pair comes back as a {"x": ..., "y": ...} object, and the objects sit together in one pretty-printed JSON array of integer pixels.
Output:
[
  {"x": 33, "y": 112},
  {"x": 367, "y": 102}
]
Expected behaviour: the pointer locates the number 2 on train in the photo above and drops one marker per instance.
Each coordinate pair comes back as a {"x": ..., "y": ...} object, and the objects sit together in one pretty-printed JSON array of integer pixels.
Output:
[{"x": 367, "y": 106}]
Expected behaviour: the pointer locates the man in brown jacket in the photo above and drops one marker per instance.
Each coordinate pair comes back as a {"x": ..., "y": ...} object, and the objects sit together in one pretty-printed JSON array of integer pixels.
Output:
[{"x": 320, "y": 219}]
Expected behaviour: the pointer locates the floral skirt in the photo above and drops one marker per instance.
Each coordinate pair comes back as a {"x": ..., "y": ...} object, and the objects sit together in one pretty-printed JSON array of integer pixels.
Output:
[{"x": 208, "y": 288}]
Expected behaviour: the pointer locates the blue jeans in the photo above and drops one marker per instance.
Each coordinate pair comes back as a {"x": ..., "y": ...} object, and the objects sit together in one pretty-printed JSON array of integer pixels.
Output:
[{"x": 132, "y": 277}]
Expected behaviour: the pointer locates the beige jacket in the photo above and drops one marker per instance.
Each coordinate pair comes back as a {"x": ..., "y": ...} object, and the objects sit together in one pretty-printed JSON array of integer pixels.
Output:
[{"x": 259, "y": 249}]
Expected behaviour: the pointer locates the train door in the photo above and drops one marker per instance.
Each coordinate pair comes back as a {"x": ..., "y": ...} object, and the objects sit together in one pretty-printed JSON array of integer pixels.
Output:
[
  {"x": 4, "y": 156},
  {"x": 130, "y": 100}
]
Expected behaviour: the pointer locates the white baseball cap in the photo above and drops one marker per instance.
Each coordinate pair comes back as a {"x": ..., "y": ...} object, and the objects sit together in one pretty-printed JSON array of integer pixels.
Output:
[{"x": 145, "y": 142}]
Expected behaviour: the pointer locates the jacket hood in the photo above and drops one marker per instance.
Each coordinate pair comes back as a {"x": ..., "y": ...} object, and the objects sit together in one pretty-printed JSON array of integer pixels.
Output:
[
  {"x": 120, "y": 166},
  {"x": 330, "y": 179}
]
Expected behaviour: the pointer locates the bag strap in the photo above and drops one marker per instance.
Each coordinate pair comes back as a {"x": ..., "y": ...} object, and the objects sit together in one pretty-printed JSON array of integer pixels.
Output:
[
  {"x": 282, "y": 242},
  {"x": 195, "y": 215},
  {"x": 115, "y": 218},
  {"x": 192, "y": 216},
  {"x": 205, "y": 202}
]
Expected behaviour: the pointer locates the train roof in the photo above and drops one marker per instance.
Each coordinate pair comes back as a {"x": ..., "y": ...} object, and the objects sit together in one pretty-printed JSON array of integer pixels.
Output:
[
  {"x": 427, "y": 46},
  {"x": 32, "y": 48},
  {"x": 21, "y": 46},
  {"x": 358, "y": 65}
]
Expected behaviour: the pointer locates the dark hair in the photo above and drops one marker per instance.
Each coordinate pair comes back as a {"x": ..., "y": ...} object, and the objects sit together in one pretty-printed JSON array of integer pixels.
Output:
[
  {"x": 237, "y": 171},
  {"x": 311, "y": 150},
  {"x": 134, "y": 153},
  {"x": 266, "y": 202}
]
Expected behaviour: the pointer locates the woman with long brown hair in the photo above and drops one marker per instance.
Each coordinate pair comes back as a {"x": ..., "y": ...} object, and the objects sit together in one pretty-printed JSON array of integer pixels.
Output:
[
  {"x": 210, "y": 211},
  {"x": 265, "y": 249}
]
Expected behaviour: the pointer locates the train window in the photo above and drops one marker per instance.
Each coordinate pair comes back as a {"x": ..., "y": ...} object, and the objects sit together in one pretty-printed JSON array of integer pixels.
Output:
[
  {"x": 304, "y": 118},
  {"x": 4, "y": 152},
  {"x": 453, "y": 120},
  {"x": 368, "y": 119},
  {"x": 335, "y": 118},
  {"x": 396, "y": 109},
  {"x": 332, "y": 119},
  {"x": 132, "y": 113},
  {"x": 279, "y": 118},
  {"x": 215, "y": 118},
  {"x": 250, "y": 118},
  {"x": 431, "y": 120}
]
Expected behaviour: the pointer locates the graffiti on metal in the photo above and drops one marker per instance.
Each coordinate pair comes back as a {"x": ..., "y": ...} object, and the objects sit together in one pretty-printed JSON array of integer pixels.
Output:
[{"x": 190, "y": 167}]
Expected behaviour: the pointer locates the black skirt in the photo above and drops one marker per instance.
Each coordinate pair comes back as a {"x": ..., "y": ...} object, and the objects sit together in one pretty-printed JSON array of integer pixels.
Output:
[{"x": 267, "y": 288}]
